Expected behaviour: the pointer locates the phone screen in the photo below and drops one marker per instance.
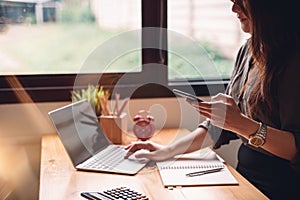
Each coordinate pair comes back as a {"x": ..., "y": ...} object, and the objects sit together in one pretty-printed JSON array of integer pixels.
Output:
[{"x": 189, "y": 97}]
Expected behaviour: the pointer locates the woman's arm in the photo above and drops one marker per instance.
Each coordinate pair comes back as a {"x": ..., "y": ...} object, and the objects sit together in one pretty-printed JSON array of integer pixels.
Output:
[
  {"x": 224, "y": 113},
  {"x": 278, "y": 142},
  {"x": 189, "y": 143}
]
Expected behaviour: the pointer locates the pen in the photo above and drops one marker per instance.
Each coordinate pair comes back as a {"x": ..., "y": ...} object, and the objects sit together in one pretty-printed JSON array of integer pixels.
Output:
[
  {"x": 199, "y": 173},
  {"x": 117, "y": 98}
]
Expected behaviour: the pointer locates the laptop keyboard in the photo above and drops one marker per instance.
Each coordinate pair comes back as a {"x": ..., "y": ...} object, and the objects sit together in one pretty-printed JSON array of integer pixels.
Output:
[{"x": 106, "y": 159}]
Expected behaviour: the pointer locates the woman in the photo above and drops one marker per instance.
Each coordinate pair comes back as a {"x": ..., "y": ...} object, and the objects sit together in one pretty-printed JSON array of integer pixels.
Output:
[{"x": 261, "y": 104}]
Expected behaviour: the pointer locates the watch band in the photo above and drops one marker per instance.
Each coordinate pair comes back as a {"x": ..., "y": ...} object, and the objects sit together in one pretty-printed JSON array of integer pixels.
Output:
[
  {"x": 205, "y": 124},
  {"x": 262, "y": 131}
]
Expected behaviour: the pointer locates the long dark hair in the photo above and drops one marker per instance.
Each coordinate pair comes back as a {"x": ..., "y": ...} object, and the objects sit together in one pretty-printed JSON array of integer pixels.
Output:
[{"x": 275, "y": 36}]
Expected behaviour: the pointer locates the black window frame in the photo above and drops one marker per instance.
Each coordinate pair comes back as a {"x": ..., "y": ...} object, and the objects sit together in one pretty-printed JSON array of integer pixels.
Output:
[{"x": 57, "y": 87}]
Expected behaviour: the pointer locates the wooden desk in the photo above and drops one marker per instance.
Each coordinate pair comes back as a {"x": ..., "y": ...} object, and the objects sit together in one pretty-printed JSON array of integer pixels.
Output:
[{"x": 59, "y": 179}]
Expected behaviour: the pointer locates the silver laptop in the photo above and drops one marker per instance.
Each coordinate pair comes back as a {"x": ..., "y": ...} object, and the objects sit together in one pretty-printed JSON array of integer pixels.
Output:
[{"x": 79, "y": 130}]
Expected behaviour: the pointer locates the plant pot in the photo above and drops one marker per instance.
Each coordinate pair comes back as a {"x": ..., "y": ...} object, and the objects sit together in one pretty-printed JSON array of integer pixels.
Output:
[{"x": 114, "y": 127}]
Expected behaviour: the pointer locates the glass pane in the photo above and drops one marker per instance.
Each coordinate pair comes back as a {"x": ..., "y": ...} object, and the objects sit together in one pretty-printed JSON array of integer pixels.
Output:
[
  {"x": 58, "y": 36},
  {"x": 203, "y": 39}
]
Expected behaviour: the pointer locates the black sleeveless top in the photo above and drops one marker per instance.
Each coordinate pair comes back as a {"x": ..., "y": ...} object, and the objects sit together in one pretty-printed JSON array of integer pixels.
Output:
[{"x": 285, "y": 116}]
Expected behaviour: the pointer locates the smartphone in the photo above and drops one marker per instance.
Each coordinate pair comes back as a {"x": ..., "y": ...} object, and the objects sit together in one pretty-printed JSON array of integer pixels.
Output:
[{"x": 189, "y": 97}]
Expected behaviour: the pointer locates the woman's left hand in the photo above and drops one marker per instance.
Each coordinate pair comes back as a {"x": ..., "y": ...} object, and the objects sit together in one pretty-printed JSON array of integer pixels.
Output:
[{"x": 221, "y": 110}]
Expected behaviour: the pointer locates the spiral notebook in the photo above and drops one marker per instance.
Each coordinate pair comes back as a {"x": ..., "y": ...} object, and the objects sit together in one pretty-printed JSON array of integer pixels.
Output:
[{"x": 174, "y": 172}]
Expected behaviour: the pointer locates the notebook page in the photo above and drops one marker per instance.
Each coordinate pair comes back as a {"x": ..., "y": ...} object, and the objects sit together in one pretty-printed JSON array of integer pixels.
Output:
[{"x": 173, "y": 172}]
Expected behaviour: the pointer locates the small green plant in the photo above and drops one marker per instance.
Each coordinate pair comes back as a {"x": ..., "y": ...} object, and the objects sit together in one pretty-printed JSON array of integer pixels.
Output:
[{"x": 96, "y": 95}]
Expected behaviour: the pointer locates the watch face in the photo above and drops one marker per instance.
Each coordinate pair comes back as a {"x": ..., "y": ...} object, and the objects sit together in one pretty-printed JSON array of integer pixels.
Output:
[{"x": 256, "y": 141}]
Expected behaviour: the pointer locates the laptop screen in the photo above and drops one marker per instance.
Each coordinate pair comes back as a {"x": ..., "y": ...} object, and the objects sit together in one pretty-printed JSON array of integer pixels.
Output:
[{"x": 79, "y": 130}]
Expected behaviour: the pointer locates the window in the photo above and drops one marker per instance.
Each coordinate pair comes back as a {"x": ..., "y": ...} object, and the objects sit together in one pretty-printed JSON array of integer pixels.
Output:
[
  {"x": 214, "y": 35},
  {"x": 46, "y": 44},
  {"x": 55, "y": 37}
]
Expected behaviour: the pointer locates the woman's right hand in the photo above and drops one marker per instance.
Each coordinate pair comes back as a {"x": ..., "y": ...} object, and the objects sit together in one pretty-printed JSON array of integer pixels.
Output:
[{"x": 154, "y": 151}]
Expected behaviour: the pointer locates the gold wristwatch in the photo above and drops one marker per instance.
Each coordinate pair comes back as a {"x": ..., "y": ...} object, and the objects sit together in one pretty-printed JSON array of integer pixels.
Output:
[{"x": 259, "y": 138}]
